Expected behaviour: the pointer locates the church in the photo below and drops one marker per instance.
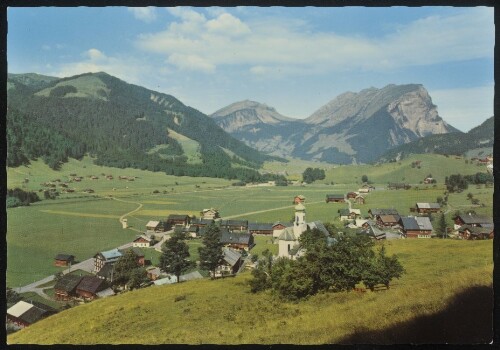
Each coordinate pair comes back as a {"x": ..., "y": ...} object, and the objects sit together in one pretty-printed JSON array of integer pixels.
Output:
[{"x": 288, "y": 245}]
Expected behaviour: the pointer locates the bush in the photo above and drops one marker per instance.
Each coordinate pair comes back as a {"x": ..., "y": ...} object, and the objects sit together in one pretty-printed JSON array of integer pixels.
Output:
[{"x": 12, "y": 202}]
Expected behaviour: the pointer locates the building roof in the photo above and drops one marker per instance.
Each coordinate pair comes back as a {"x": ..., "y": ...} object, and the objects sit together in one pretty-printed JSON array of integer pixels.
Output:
[
  {"x": 65, "y": 257},
  {"x": 19, "y": 308},
  {"x": 211, "y": 209},
  {"x": 280, "y": 223},
  {"x": 112, "y": 254},
  {"x": 300, "y": 197},
  {"x": 389, "y": 218},
  {"x": 235, "y": 237},
  {"x": 409, "y": 223},
  {"x": 318, "y": 225},
  {"x": 146, "y": 238},
  {"x": 344, "y": 212},
  {"x": 91, "y": 284},
  {"x": 178, "y": 217},
  {"x": 68, "y": 283},
  {"x": 201, "y": 221},
  {"x": 257, "y": 226},
  {"x": 105, "y": 293},
  {"x": 152, "y": 223},
  {"x": 231, "y": 256},
  {"x": 475, "y": 219},
  {"x": 136, "y": 250},
  {"x": 356, "y": 211},
  {"x": 243, "y": 223},
  {"x": 378, "y": 211},
  {"x": 428, "y": 206},
  {"x": 166, "y": 280},
  {"x": 335, "y": 196},
  {"x": 106, "y": 271},
  {"x": 287, "y": 235},
  {"x": 424, "y": 223},
  {"x": 476, "y": 229}
]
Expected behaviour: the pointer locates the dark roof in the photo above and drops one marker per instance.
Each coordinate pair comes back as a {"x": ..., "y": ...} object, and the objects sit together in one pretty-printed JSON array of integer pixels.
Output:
[
  {"x": 231, "y": 256},
  {"x": 91, "y": 284},
  {"x": 199, "y": 221},
  {"x": 193, "y": 229},
  {"x": 475, "y": 229},
  {"x": 409, "y": 223},
  {"x": 34, "y": 314},
  {"x": 255, "y": 226},
  {"x": 65, "y": 257},
  {"x": 43, "y": 306},
  {"x": 339, "y": 196},
  {"x": 235, "y": 237},
  {"x": 378, "y": 211},
  {"x": 202, "y": 231},
  {"x": 68, "y": 283},
  {"x": 344, "y": 212},
  {"x": 475, "y": 219},
  {"x": 390, "y": 218},
  {"x": 243, "y": 223}
]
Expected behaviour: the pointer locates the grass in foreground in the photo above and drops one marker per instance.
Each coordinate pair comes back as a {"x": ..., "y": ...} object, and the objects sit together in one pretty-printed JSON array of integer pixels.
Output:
[{"x": 225, "y": 312}]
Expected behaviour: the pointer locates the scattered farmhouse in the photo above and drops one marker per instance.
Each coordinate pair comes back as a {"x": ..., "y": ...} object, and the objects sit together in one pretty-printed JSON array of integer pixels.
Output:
[
  {"x": 177, "y": 219},
  {"x": 231, "y": 263},
  {"x": 210, "y": 214},
  {"x": 64, "y": 260},
  {"x": 366, "y": 188},
  {"x": 260, "y": 228},
  {"x": 65, "y": 288},
  {"x": 89, "y": 286},
  {"x": 425, "y": 208},
  {"x": 201, "y": 222},
  {"x": 111, "y": 256},
  {"x": 142, "y": 241},
  {"x": 372, "y": 231},
  {"x": 359, "y": 199},
  {"x": 346, "y": 214},
  {"x": 416, "y": 227},
  {"x": 375, "y": 213},
  {"x": 472, "y": 220},
  {"x": 388, "y": 220},
  {"x": 351, "y": 195},
  {"x": 278, "y": 228},
  {"x": 155, "y": 226},
  {"x": 335, "y": 198},
  {"x": 235, "y": 225},
  {"x": 24, "y": 314},
  {"x": 237, "y": 240},
  {"x": 475, "y": 232}
]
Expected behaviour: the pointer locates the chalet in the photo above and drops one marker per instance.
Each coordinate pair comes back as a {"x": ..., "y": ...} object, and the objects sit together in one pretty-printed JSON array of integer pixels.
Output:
[
  {"x": 346, "y": 214},
  {"x": 474, "y": 232},
  {"x": 64, "y": 260},
  {"x": 89, "y": 286},
  {"x": 299, "y": 199},
  {"x": 472, "y": 220},
  {"x": 153, "y": 273},
  {"x": 388, "y": 220},
  {"x": 235, "y": 225},
  {"x": 231, "y": 263},
  {"x": 359, "y": 199},
  {"x": 351, "y": 195},
  {"x": 142, "y": 241},
  {"x": 278, "y": 228},
  {"x": 373, "y": 232},
  {"x": 65, "y": 288},
  {"x": 260, "y": 228},
  {"x": 335, "y": 198},
  {"x": 416, "y": 227},
  {"x": 177, "y": 219},
  {"x": 425, "y": 208},
  {"x": 374, "y": 213},
  {"x": 210, "y": 214},
  {"x": 398, "y": 186},
  {"x": 155, "y": 226},
  {"x": 201, "y": 222},
  {"x": 237, "y": 240},
  {"x": 24, "y": 314},
  {"x": 107, "y": 257},
  {"x": 366, "y": 188}
]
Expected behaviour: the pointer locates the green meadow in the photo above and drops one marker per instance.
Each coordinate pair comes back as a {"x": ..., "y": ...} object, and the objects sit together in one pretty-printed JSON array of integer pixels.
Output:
[
  {"x": 83, "y": 224},
  {"x": 446, "y": 282}
]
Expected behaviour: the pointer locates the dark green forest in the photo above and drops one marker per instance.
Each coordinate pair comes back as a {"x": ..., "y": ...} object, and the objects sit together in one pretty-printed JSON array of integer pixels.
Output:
[{"x": 117, "y": 126}]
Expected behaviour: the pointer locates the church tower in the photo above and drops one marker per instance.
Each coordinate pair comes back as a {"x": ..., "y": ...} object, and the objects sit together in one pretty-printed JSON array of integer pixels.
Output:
[{"x": 299, "y": 224}]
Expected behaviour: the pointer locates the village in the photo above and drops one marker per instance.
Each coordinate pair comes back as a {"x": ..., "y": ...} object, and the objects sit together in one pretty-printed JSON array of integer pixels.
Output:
[{"x": 237, "y": 239}]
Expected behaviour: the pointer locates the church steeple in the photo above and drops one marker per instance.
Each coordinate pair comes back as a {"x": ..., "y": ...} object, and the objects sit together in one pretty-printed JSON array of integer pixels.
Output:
[{"x": 300, "y": 219}]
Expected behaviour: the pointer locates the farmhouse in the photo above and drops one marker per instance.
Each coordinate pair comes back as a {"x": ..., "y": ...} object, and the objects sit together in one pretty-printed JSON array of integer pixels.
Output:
[
  {"x": 299, "y": 199},
  {"x": 155, "y": 226},
  {"x": 210, "y": 214},
  {"x": 424, "y": 208},
  {"x": 474, "y": 233},
  {"x": 375, "y": 213},
  {"x": 201, "y": 222},
  {"x": 388, "y": 220},
  {"x": 260, "y": 228},
  {"x": 416, "y": 227},
  {"x": 89, "y": 286},
  {"x": 278, "y": 228},
  {"x": 142, "y": 241},
  {"x": 359, "y": 199},
  {"x": 106, "y": 272},
  {"x": 237, "y": 240},
  {"x": 350, "y": 195},
  {"x": 153, "y": 273},
  {"x": 235, "y": 225},
  {"x": 346, "y": 214},
  {"x": 24, "y": 314},
  {"x": 65, "y": 288},
  {"x": 372, "y": 231},
  {"x": 335, "y": 198},
  {"x": 177, "y": 219},
  {"x": 366, "y": 188},
  {"x": 64, "y": 260},
  {"x": 107, "y": 257},
  {"x": 231, "y": 263},
  {"x": 472, "y": 220}
]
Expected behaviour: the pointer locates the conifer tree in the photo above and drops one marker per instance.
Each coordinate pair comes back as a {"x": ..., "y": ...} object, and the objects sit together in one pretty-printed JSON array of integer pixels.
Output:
[{"x": 211, "y": 254}]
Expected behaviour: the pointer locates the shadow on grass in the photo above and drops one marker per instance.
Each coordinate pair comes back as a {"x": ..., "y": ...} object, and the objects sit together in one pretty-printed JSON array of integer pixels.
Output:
[{"x": 468, "y": 319}]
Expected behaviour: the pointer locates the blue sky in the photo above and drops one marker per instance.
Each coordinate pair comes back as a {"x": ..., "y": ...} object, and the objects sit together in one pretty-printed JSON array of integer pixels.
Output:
[{"x": 293, "y": 59}]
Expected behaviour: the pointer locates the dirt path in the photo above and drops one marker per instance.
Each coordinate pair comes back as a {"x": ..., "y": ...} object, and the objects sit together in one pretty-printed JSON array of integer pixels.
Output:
[{"x": 129, "y": 213}]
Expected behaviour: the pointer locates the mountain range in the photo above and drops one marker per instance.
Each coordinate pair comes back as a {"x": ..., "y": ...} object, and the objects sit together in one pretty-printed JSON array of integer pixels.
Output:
[{"x": 352, "y": 128}]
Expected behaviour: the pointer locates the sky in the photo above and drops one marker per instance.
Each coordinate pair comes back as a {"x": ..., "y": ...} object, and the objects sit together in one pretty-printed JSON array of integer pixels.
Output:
[{"x": 293, "y": 59}]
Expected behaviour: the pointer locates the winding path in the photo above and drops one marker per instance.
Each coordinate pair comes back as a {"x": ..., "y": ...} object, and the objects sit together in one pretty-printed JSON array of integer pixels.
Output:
[{"x": 129, "y": 213}]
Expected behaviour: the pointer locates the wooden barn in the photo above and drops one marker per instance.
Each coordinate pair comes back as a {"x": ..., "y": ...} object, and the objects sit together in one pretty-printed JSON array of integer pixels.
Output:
[
  {"x": 200, "y": 222},
  {"x": 231, "y": 263},
  {"x": 335, "y": 198},
  {"x": 472, "y": 220},
  {"x": 235, "y": 225},
  {"x": 65, "y": 288},
  {"x": 237, "y": 240},
  {"x": 351, "y": 195},
  {"x": 210, "y": 214},
  {"x": 24, "y": 314},
  {"x": 425, "y": 208},
  {"x": 177, "y": 219},
  {"x": 89, "y": 286},
  {"x": 475, "y": 233},
  {"x": 359, "y": 199},
  {"x": 388, "y": 220},
  {"x": 260, "y": 228},
  {"x": 64, "y": 260}
]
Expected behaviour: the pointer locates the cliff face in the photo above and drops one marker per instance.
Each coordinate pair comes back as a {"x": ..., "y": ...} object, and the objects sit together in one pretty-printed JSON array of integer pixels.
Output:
[{"x": 353, "y": 127}]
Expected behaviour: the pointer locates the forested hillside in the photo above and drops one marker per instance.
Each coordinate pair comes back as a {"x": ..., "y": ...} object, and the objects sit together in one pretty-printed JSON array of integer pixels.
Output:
[
  {"x": 456, "y": 143},
  {"x": 119, "y": 124}
]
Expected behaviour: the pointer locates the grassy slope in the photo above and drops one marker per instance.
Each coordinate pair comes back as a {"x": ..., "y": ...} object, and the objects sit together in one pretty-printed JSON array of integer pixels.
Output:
[{"x": 224, "y": 311}]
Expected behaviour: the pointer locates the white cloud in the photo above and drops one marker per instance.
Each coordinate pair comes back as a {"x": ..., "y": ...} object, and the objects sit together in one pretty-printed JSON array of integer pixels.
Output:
[
  {"x": 96, "y": 55},
  {"x": 227, "y": 40},
  {"x": 464, "y": 108},
  {"x": 145, "y": 14}
]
